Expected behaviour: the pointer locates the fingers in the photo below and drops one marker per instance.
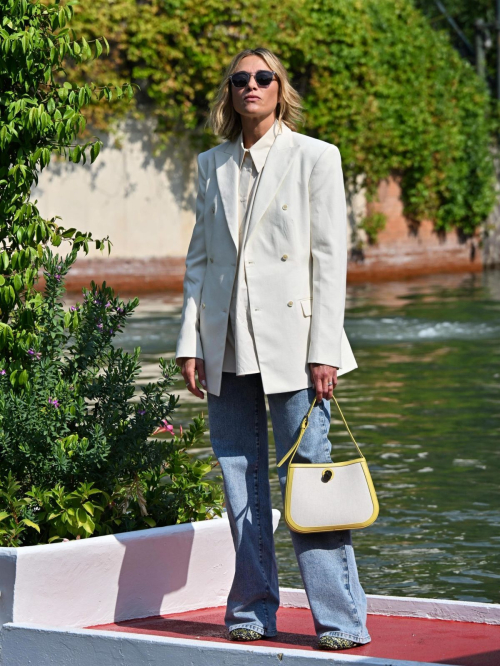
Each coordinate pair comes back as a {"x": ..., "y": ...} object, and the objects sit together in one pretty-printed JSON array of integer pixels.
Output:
[
  {"x": 200, "y": 369},
  {"x": 324, "y": 378},
  {"x": 188, "y": 369},
  {"x": 318, "y": 385},
  {"x": 333, "y": 380}
]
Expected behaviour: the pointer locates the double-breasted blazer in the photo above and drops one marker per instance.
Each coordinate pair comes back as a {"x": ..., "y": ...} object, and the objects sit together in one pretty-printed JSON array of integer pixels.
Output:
[{"x": 295, "y": 260}]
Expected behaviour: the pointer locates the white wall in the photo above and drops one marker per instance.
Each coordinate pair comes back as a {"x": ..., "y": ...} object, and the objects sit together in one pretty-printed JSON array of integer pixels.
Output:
[{"x": 144, "y": 203}]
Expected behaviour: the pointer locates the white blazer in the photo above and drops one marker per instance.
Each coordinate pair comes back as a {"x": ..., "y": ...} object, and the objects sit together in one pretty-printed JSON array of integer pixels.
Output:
[{"x": 295, "y": 262}]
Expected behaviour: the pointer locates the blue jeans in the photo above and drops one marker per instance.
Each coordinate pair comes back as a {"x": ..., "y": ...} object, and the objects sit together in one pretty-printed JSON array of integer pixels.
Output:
[{"x": 238, "y": 433}]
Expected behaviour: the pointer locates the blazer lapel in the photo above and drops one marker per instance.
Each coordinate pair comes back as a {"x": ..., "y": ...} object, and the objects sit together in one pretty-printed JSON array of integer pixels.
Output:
[
  {"x": 227, "y": 170},
  {"x": 278, "y": 162}
]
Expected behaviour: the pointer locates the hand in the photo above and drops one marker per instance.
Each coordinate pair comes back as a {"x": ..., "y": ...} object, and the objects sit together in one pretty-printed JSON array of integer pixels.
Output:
[
  {"x": 321, "y": 376},
  {"x": 188, "y": 367}
]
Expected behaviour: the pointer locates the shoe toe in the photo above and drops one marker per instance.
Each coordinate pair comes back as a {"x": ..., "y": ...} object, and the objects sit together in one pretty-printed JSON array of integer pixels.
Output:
[
  {"x": 335, "y": 643},
  {"x": 244, "y": 634}
]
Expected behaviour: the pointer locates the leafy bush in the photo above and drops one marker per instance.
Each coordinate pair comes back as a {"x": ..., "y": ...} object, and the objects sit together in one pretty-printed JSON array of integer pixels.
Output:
[
  {"x": 76, "y": 453},
  {"x": 76, "y": 456},
  {"x": 377, "y": 80},
  {"x": 40, "y": 115},
  {"x": 373, "y": 224}
]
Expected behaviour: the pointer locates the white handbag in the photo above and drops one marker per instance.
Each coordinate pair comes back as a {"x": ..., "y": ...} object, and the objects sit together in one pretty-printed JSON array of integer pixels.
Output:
[{"x": 321, "y": 497}]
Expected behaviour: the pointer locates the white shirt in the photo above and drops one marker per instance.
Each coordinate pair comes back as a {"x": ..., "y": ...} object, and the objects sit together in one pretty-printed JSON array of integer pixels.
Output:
[{"x": 240, "y": 354}]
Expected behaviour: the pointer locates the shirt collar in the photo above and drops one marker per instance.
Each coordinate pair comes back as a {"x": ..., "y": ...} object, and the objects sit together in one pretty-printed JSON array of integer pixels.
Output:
[{"x": 260, "y": 149}]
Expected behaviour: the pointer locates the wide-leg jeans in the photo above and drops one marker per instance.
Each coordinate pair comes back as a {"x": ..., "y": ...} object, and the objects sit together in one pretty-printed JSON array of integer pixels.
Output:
[{"x": 239, "y": 437}]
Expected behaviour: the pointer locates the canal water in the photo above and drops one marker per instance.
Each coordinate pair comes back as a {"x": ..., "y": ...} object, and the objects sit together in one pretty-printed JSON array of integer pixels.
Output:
[{"x": 424, "y": 406}]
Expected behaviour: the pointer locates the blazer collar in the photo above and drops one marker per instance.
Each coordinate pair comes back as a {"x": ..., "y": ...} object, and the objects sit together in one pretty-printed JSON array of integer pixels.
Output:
[
  {"x": 260, "y": 149},
  {"x": 279, "y": 159}
]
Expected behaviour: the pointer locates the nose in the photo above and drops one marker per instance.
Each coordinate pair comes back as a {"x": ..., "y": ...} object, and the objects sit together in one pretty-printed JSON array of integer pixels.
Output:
[{"x": 250, "y": 85}]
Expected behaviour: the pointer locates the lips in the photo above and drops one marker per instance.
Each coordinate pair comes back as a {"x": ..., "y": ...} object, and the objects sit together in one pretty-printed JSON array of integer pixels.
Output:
[{"x": 251, "y": 98}]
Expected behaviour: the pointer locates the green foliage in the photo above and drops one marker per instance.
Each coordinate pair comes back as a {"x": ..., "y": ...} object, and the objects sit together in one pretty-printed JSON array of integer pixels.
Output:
[
  {"x": 373, "y": 224},
  {"x": 40, "y": 115},
  {"x": 72, "y": 418},
  {"x": 76, "y": 453},
  {"x": 376, "y": 79},
  {"x": 465, "y": 14},
  {"x": 173, "y": 492}
]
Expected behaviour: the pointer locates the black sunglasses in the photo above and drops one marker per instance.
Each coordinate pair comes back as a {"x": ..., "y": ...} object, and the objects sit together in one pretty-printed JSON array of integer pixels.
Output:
[{"x": 263, "y": 78}]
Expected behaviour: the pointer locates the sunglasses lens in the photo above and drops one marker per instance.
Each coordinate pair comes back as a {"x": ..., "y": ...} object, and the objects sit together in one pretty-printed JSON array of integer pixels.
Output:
[
  {"x": 264, "y": 78},
  {"x": 240, "y": 80}
]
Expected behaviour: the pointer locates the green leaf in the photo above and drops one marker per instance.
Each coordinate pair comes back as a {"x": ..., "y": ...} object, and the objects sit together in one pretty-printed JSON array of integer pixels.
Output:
[
  {"x": 89, "y": 525},
  {"x": 94, "y": 151},
  {"x": 82, "y": 517},
  {"x": 30, "y": 523}
]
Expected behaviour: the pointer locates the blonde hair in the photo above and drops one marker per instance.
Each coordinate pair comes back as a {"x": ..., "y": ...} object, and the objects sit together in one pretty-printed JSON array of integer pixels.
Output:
[{"x": 225, "y": 122}]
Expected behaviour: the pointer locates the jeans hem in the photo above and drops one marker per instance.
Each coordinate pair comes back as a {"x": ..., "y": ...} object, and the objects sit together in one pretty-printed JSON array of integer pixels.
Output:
[
  {"x": 350, "y": 637},
  {"x": 254, "y": 627}
]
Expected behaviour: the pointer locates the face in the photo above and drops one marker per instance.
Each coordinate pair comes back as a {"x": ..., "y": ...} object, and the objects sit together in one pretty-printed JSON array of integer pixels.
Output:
[{"x": 251, "y": 100}]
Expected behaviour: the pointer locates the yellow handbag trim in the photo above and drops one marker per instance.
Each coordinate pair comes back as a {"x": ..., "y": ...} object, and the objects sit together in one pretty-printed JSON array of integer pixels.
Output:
[
  {"x": 326, "y": 465},
  {"x": 291, "y": 453}
]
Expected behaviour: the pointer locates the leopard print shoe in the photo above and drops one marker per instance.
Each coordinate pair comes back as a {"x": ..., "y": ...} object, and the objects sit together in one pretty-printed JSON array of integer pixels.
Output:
[
  {"x": 335, "y": 643},
  {"x": 243, "y": 634}
]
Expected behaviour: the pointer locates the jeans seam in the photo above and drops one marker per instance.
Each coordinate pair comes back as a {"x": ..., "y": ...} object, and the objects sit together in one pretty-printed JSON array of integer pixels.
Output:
[
  {"x": 344, "y": 634},
  {"x": 257, "y": 508},
  {"x": 328, "y": 446},
  {"x": 346, "y": 570},
  {"x": 251, "y": 625}
]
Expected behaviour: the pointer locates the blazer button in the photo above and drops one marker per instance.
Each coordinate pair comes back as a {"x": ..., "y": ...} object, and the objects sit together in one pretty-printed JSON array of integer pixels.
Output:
[
  {"x": 284, "y": 257},
  {"x": 203, "y": 305},
  {"x": 213, "y": 209},
  {"x": 211, "y": 260},
  {"x": 290, "y": 303},
  {"x": 284, "y": 206}
]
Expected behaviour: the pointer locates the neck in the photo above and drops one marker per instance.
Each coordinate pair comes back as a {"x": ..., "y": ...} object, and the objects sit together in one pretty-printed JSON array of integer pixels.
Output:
[{"x": 254, "y": 128}]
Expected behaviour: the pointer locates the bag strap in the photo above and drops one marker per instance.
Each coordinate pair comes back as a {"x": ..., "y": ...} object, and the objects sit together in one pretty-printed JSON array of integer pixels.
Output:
[{"x": 303, "y": 426}]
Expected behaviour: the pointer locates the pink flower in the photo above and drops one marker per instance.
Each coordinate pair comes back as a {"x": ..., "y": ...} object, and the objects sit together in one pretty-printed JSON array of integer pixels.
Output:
[{"x": 166, "y": 427}]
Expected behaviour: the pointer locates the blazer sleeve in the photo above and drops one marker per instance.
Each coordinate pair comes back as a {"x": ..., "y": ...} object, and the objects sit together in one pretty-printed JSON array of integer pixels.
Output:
[
  {"x": 329, "y": 256},
  {"x": 189, "y": 341}
]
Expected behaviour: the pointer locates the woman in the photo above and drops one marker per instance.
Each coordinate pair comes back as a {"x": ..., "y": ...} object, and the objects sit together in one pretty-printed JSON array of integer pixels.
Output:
[{"x": 264, "y": 299}]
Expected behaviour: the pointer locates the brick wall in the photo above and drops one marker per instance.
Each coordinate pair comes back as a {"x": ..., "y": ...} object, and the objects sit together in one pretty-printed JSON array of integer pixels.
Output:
[{"x": 402, "y": 250}]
